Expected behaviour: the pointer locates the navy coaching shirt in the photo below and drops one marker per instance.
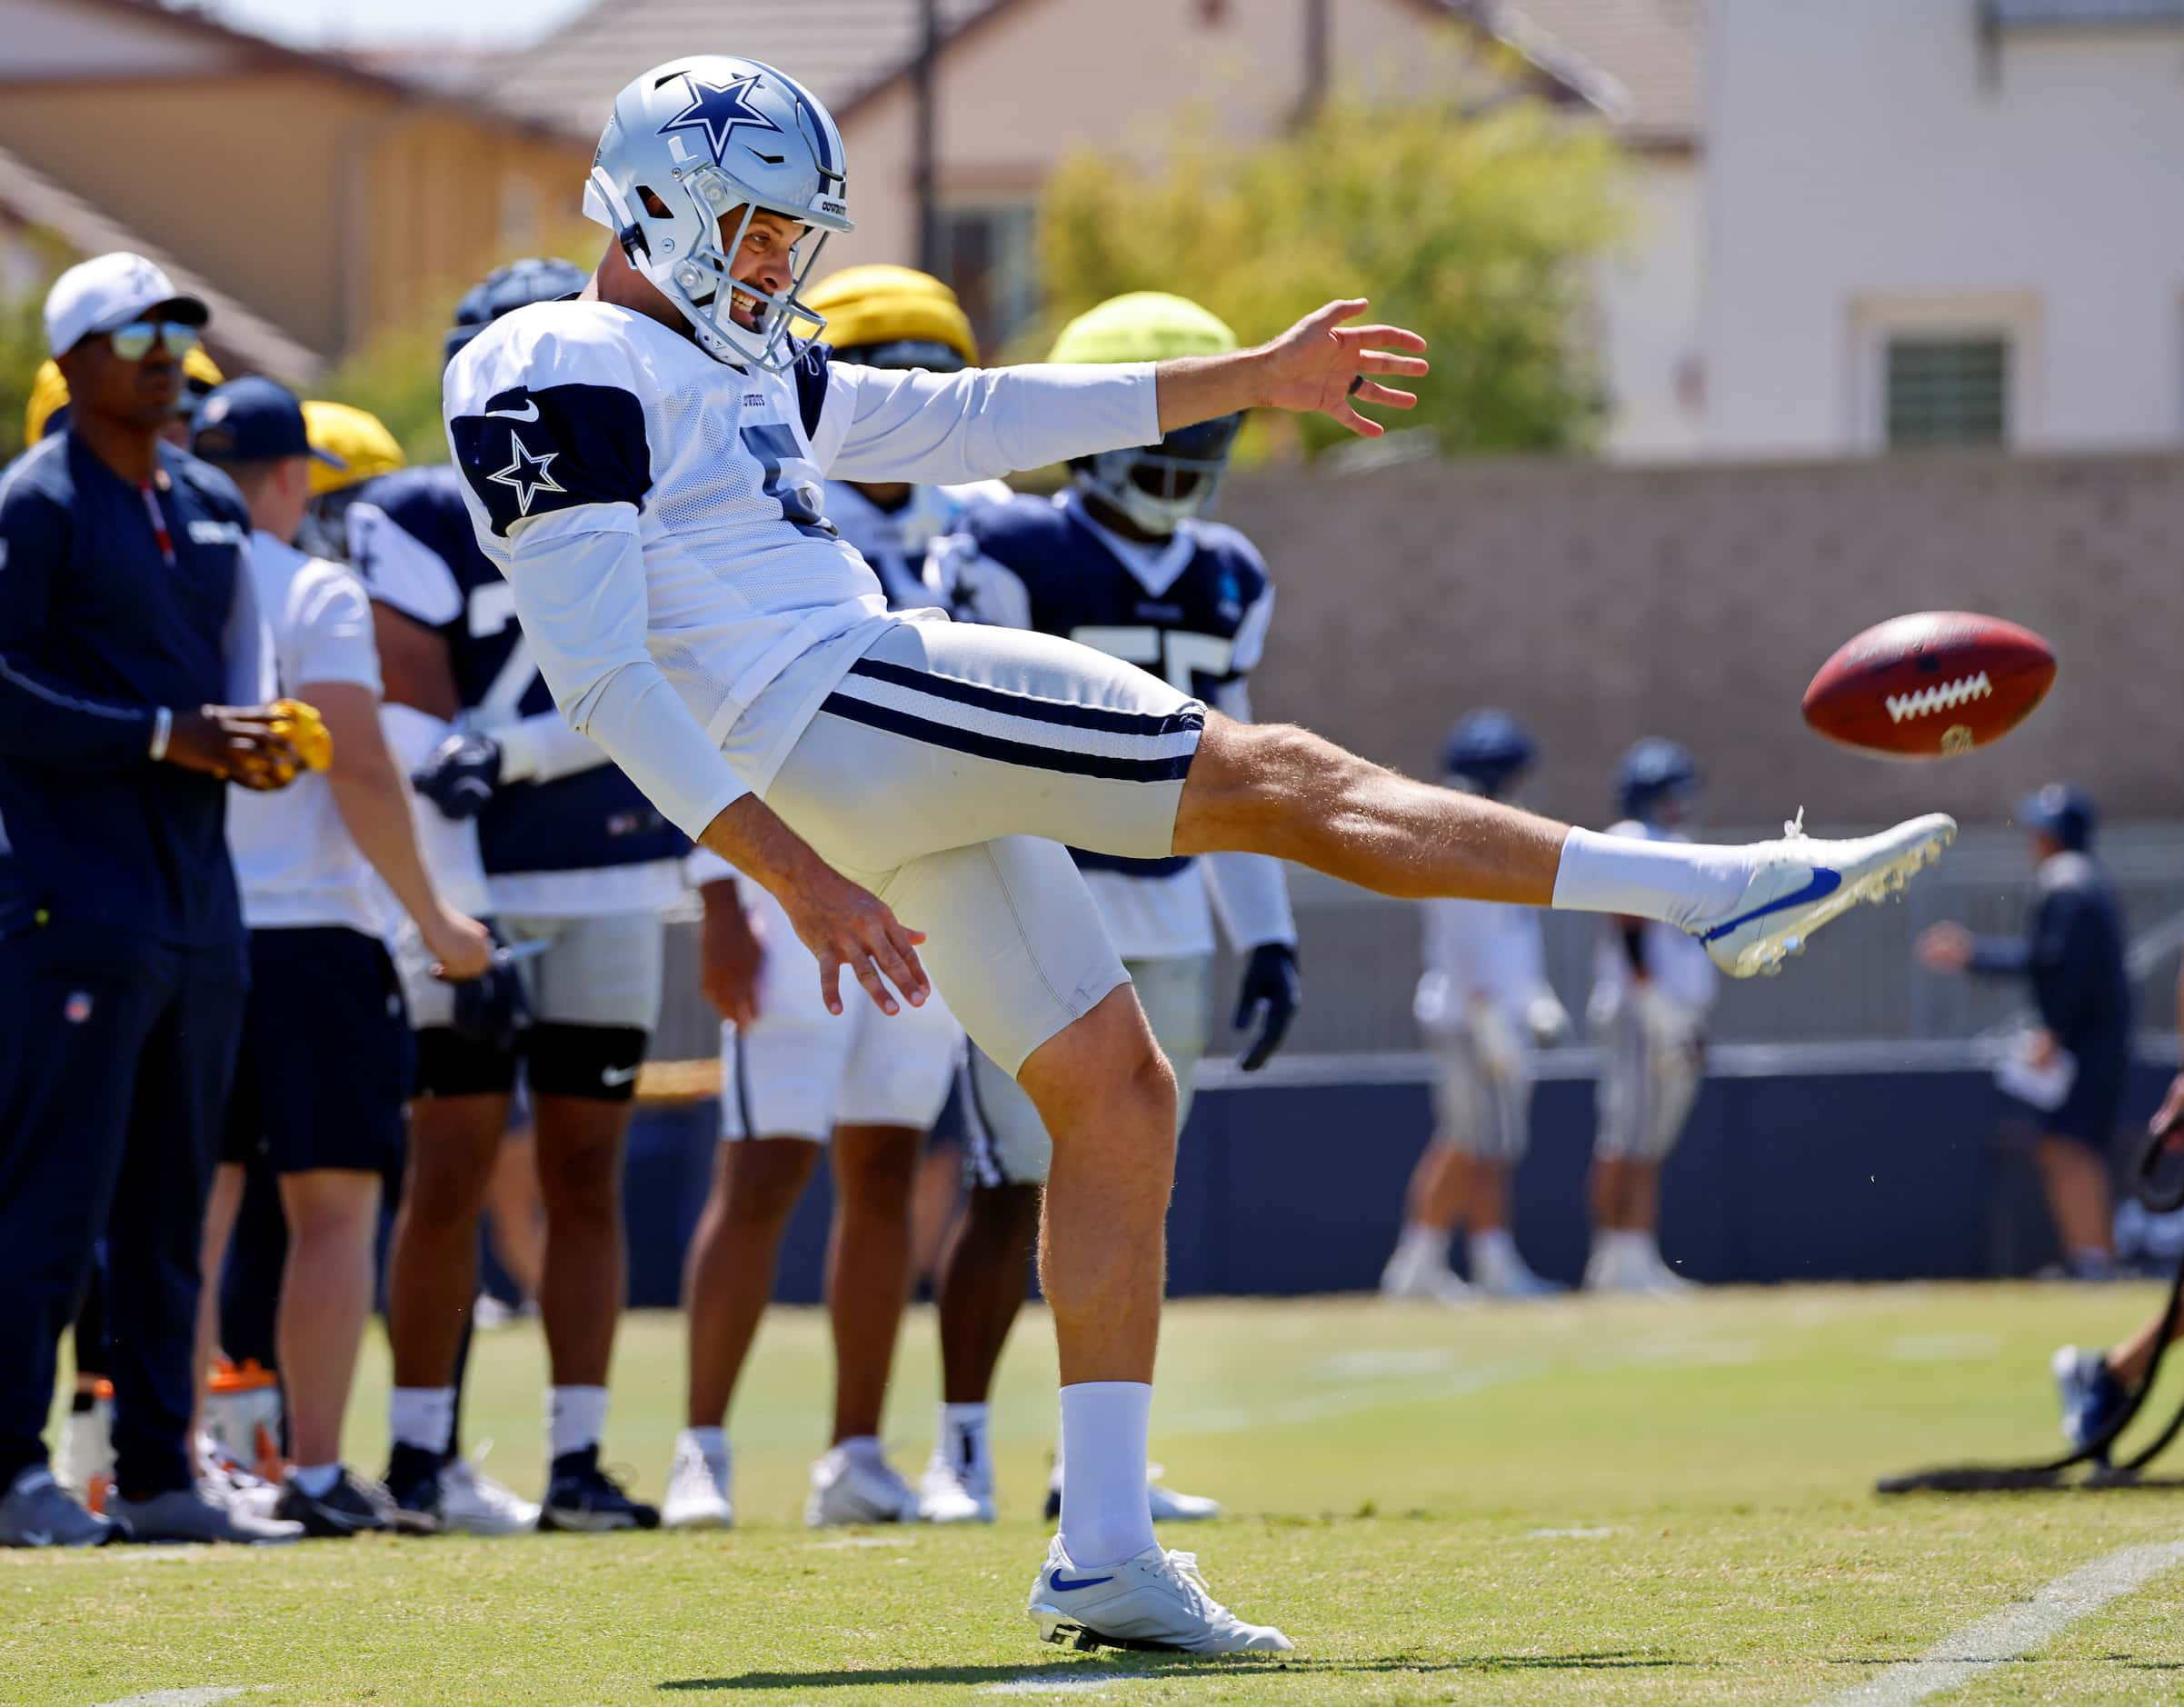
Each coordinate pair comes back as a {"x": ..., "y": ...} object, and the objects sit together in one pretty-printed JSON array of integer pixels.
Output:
[{"x": 101, "y": 623}]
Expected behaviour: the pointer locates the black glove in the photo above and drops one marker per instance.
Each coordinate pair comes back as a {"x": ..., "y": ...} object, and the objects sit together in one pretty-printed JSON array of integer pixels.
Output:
[
  {"x": 491, "y": 1008},
  {"x": 1271, "y": 984},
  {"x": 461, "y": 775}
]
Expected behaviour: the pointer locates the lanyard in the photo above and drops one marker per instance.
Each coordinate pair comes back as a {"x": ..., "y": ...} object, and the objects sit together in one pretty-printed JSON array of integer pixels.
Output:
[{"x": 159, "y": 523}]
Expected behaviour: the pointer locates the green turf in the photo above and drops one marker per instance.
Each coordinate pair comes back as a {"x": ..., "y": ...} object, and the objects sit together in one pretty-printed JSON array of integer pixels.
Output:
[{"x": 1585, "y": 1500}]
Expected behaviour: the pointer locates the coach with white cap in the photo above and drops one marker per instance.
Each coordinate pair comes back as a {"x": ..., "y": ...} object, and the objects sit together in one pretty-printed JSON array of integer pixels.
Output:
[{"x": 132, "y": 668}]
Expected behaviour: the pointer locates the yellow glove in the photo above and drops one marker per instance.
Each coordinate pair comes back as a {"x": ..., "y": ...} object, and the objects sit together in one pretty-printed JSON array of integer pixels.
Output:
[{"x": 305, "y": 730}]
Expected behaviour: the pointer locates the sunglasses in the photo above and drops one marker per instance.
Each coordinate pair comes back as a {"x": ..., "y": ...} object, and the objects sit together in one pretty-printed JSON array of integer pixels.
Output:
[{"x": 134, "y": 341}]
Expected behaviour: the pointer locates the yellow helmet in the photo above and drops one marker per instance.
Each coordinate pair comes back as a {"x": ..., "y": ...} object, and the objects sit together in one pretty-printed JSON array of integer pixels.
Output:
[
  {"x": 893, "y": 316},
  {"x": 355, "y": 435},
  {"x": 1143, "y": 326},
  {"x": 49, "y": 391}
]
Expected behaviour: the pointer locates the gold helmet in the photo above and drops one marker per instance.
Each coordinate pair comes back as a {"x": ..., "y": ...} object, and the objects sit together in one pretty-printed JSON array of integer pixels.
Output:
[
  {"x": 893, "y": 316},
  {"x": 355, "y": 435}
]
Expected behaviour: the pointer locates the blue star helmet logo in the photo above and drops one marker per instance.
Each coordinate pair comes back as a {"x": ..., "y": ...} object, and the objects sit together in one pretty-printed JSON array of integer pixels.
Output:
[
  {"x": 715, "y": 109},
  {"x": 528, "y": 474}
]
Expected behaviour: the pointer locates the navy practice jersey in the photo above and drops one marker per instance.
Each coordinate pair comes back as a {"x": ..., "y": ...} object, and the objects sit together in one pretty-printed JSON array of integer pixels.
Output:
[
  {"x": 101, "y": 623},
  {"x": 410, "y": 537},
  {"x": 1192, "y": 609}
]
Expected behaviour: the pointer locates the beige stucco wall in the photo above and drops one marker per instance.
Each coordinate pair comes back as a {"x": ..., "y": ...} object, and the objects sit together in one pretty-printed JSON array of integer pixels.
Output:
[
  {"x": 319, "y": 202},
  {"x": 1602, "y": 604}
]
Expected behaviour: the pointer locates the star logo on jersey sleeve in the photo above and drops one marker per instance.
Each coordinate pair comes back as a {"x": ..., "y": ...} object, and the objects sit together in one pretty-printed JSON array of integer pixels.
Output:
[
  {"x": 714, "y": 111},
  {"x": 528, "y": 476}
]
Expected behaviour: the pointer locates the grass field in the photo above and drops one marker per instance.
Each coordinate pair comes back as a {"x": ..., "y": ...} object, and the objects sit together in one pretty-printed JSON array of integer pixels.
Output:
[{"x": 1586, "y": 1501}]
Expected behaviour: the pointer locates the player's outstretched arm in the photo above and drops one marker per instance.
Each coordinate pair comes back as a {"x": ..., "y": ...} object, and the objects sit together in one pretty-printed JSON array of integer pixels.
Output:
[
  {"x": 1319, "y": 366},
  {"x": 841, "y": 923}
]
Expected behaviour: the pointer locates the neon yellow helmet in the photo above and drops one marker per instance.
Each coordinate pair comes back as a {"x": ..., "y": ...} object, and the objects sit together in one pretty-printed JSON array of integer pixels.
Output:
[
  {"x": 355, "y": 435},
  {"x": 1158, "y": 486},
  {"x": 49, "y": 391},
  {"x": 893, "y": 316}
]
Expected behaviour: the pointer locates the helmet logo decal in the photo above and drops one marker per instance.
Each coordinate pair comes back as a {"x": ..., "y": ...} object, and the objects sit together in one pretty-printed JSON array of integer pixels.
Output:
[
  {"x": 714, "y": 111},
  {"x": 527, "y": 474}
]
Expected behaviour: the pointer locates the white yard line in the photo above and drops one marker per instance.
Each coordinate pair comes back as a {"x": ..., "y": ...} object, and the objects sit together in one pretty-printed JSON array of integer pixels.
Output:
[
  {"x": 203, "y": 1695},
  {"x": 2016, "y": 1631}
]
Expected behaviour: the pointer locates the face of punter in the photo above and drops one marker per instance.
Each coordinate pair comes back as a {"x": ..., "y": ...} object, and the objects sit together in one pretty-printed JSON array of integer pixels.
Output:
[
  {"x": 143, "y": 394},
  {"x": 765, "y": 259}
]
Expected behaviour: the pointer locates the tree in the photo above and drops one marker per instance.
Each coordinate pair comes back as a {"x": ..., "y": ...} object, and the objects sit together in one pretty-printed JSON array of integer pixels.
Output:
[
  {"x": 23, "y": 333},
  {"x": 1478, "y": 228}
]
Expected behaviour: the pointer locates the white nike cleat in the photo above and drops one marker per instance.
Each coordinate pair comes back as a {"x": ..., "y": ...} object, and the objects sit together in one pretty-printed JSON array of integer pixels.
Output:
[
  {"x": 1156, "y": 1602},
  {"x": 697, "y": 1489},
  {"x": 1403, "y": 1278},
  {"x": 1800, "y": 883},
  {"x": 949, "y": 1496},
  {"x": 846, "y": 1490},
  {"x": 473, "y": 1504}
]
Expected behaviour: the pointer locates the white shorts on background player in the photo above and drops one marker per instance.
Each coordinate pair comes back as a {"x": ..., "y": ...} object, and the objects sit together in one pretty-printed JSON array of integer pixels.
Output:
[
  {"x": 799, "y": 1072},
  {"x": 1485, "y": 976},
  {"x": 692, "y": 616},
  {"x": 1649, "y": 1034}
]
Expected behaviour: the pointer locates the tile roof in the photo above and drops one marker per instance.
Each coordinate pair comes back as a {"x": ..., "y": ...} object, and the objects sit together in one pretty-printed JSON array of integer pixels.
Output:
[
  {"x": 839, "y": 48},
  {"x": 1640, "y": 61}
]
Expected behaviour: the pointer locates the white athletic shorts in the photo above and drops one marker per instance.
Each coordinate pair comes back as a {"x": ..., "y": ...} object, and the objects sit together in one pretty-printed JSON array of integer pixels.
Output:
[
  {"x": 1652, "y": 1057},
  {"x": 602, "y": 970},
  {"x": 1006, "y": 1142},
  {"x": 799, "y": 1072},
  {"x": 1482, "y": 1089},
  {"x": 946, "y": 771}
]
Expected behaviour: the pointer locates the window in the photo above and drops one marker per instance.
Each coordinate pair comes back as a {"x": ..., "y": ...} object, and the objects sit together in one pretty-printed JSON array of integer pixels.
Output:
[
  {"x": 990, "y": 255},
  {"x": 1948, "y": 390}
]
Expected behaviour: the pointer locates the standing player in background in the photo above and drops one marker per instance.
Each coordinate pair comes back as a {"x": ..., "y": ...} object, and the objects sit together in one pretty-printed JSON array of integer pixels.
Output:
[
  {"x": 579, "y": 861},
  {"x": 322, "y": 1097},
  {"x": 795, "y": 1077},
  {"x": 132, "y": 694},
  {"x": 1122, "y": 562},
  {"x": 1652, "y": 986},
  {"x": 1484, "y": 1001},
  {"x": 2072, "y": 956}
]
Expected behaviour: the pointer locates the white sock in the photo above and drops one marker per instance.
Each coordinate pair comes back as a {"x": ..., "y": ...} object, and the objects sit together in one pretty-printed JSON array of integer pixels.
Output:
[
  {"x": 965, "y": 1442},
  {"x": 1422, "y": 1244},
  {"x": 316, "y": 1480},
  {"x": 1106, "y": 1513},
  {"x": 423, "y": 1417},
  {"x": 860, "y": 1449},
  {"x": 575, "y": 1418},
  {"x": 1493, "y": 1251},
  {"x": 712, "y": 1443},
  {"x": 1678, "y": 882}
]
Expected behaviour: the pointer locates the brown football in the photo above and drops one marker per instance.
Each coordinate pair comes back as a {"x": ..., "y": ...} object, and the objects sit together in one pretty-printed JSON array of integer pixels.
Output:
[{"x": 1930, "y": 686}]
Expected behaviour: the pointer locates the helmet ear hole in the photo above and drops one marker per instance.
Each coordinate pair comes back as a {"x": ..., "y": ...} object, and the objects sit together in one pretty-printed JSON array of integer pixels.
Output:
[{"x": 651, "y": 202}]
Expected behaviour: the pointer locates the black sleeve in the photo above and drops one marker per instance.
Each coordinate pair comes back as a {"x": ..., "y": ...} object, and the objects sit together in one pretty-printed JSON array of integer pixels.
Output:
[{"x": 532, "y": 452}]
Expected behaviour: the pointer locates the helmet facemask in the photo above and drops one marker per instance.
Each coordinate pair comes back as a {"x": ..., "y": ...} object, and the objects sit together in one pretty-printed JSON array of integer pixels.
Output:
[{"x": 1160, "y": 486}]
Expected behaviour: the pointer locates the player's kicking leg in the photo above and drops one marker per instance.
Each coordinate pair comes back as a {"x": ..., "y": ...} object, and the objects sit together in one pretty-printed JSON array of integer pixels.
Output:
[{"x": 923, "y": 776}]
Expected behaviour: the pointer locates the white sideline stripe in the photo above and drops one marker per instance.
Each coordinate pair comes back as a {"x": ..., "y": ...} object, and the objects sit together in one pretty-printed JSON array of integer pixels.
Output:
[
  {"x": 2015, "y": 1632},
  {"x": 1037, "y": 1684},
  {"x": 197, "y": 1696}
]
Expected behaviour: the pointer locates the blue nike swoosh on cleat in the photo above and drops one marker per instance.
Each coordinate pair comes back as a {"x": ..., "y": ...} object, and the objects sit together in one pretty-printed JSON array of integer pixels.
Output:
[
  {"x": 1064, "y": 1585},
  {"x": 1824, "y": 883}
]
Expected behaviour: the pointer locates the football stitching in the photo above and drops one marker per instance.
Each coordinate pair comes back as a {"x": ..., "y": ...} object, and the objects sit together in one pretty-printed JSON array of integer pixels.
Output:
[{"x": 1947, "y": 696}]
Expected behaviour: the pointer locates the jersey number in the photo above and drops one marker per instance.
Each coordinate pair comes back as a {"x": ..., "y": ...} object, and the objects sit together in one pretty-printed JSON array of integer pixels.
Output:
[
  {"x": 774, "y": 445},
  {"x": 1181, "y": 657},
  {"x": 492, "y": 609}
]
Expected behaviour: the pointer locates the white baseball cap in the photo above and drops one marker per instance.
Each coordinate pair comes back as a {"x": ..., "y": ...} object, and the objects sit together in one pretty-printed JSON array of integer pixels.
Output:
[{"x": 110, "y": 291}]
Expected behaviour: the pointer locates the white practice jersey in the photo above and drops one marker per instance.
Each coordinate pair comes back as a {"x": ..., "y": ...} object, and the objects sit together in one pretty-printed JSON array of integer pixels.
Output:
[
  {"x": 1195, "y": 608},
  {"x": 1676, "y": 961},
  {"x": 1478, "y": 949},
  {"x": 295, "y": 860},
  {"x": 660, "y": 518},
  {"x": 894, "y": 542}
]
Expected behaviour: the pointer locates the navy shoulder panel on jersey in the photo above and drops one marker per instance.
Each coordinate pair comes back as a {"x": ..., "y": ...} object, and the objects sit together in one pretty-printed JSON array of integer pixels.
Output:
[
  {"x": 529, "y": 451},
  {"x": 1025, "y": 534},
  {"x": 810, "y": 372},
  {"x": 1230, "y": 552}
]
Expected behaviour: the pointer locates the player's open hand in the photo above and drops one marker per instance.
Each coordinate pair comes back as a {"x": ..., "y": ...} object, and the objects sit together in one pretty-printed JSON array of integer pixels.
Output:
[
  {"x": 237, "y": 744},
  {"x": 1320, "y": 367},
  {"x": 845, "y": 925},
  {"x": 1945, "y": 948}
]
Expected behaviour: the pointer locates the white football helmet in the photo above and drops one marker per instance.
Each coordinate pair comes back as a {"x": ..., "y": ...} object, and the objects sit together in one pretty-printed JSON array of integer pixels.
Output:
[{"x": 696, "y": 138}]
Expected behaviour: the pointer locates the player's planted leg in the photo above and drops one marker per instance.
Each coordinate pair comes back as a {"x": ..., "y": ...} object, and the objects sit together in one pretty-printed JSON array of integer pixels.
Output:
[{"x": 1108, "y": 1098}]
